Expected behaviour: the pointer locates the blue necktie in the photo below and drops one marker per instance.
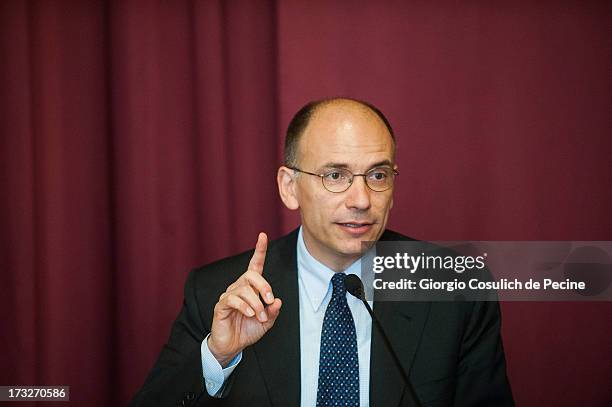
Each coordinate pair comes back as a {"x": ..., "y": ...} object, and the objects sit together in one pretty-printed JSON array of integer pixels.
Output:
[{"x": 338, "y": 362}]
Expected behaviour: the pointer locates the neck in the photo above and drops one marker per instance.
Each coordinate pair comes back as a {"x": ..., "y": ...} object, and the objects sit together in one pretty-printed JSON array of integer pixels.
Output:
[{"x": 337, "y": 262}]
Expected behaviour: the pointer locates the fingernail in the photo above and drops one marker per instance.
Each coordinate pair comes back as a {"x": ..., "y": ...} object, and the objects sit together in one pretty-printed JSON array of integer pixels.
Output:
[
  {"x": 262, "y": 316},
  {"x": 250, "y": 312},
  {"x": 269, "y": 297}
]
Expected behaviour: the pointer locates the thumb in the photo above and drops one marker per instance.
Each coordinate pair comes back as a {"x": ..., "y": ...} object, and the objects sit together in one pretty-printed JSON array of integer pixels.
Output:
[{"x": 273, "y": 310}]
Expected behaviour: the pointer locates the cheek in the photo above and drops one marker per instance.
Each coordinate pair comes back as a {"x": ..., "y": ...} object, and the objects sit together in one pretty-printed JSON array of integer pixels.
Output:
[
  {"x": 327, "y": 207},
  {"x": 314, "y": 205},
  {"x": 384, "y": 202}
]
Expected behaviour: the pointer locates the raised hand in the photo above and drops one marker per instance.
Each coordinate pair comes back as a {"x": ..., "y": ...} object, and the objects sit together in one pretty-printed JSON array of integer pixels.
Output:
[{"x": 240, "y": 318}]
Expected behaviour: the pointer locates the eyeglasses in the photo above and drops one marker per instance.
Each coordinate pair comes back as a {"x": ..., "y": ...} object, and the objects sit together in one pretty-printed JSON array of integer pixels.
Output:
[{"x": 340, "y": 179}]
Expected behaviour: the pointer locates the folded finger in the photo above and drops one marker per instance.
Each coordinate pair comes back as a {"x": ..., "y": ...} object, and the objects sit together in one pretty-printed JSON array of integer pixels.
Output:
[
  {"x": 261, "y": 286},
  {"x": 231, "y": 302},
  {"x": 248, "y": 295}
]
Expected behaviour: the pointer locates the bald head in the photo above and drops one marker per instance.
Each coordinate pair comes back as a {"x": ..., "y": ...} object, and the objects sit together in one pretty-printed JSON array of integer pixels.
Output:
[{"x": 314, "y": 109}]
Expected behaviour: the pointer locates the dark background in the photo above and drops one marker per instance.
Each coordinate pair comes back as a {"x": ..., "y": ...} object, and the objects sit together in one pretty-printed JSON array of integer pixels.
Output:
[{"x": 141, "y": 139}]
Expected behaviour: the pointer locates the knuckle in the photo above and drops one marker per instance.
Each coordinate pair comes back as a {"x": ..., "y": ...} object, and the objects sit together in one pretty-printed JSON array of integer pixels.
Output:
[
  {"x": 236, "y": 284},
  {"x": 244, "y": 279},
  {"x": 245, "y": 290},
  {"x": 228, "y": 298},
  {"x": 256, "y": 279},
  {"x": 258, "y": 309}
]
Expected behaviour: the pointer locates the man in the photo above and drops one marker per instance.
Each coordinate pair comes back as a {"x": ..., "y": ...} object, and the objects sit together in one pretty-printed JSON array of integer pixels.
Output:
[{"x": 268, "y": 327}]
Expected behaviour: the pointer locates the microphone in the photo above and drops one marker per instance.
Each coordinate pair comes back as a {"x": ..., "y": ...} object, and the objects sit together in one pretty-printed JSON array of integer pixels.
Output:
[{"x": 354, "y": 286}]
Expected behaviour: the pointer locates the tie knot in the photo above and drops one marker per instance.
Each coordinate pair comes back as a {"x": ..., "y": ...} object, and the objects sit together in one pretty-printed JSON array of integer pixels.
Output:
[{"x": 338, "y": 285}]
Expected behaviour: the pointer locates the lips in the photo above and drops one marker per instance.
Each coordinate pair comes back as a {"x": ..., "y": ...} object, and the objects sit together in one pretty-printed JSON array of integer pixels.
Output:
[
  {"x": 355, "y": 228},
  {"x": 354, "y": 225}
]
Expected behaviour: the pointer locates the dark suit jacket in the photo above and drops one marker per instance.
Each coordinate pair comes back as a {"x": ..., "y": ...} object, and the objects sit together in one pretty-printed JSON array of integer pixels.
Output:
[{"x": 452, "y": 351}]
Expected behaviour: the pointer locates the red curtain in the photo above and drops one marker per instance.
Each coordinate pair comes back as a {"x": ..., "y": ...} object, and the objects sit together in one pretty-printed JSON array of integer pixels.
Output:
[{"x": 139, "y": 139}]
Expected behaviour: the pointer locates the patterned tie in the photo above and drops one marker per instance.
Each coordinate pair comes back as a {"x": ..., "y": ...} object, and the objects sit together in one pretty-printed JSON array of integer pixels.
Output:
[{"x": 338, "y": 362}]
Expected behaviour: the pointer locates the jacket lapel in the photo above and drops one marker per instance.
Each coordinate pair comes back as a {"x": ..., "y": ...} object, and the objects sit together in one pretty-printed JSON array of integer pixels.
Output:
[
  {"x": 403, "y": 322},
  {"x": 278, "y": 352}
]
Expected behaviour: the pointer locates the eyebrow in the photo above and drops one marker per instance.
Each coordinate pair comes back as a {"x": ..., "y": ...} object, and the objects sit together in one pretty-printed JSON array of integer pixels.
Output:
[{"x": 343, "y": 165}]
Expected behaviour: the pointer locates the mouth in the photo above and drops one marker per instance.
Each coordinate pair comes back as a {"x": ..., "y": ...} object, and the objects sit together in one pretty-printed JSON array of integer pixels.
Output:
[{"x": 355, "y": 228}]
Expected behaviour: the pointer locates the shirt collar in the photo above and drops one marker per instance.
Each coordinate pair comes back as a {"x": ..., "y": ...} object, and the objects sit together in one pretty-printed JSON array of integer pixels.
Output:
[{"x": 315, "y": 275}]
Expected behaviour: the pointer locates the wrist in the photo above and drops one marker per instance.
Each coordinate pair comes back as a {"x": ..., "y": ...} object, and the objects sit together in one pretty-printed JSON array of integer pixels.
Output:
[{"x": 224, "y": 358}]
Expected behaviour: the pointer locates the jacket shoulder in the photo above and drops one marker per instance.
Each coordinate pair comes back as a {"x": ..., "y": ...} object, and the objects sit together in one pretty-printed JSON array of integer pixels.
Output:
[
  {"x": 225, "y": 271},
  {"x": 390, "y": 235}
]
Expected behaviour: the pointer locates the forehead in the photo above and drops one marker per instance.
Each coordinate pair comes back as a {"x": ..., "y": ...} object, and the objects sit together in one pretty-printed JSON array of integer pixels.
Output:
[{"x": 345, "y": 134}]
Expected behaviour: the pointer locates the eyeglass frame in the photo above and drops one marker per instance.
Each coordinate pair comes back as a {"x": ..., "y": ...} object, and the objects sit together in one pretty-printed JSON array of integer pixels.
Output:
[{"x": 365, "y": 180}]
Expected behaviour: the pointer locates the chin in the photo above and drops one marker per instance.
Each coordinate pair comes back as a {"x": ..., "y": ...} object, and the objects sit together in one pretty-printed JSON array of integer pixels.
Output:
[{"x": 352, "y": 249}]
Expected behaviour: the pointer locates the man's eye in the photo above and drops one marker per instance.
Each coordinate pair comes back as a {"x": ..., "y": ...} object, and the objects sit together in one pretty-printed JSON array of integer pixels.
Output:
[
  {"x": 378, "y": 175},
  {"x": 334, "y": 175}
]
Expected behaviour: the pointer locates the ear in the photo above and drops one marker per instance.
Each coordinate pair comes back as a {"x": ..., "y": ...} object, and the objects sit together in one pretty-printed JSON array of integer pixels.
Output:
[{"x": 287, "y": 187}]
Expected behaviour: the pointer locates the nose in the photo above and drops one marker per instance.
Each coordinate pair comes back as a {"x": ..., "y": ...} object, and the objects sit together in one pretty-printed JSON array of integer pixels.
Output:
[{"x": 358, "y": 195}]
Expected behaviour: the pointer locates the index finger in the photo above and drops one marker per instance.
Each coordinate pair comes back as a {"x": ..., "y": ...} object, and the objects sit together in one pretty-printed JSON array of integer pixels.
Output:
[{"x": 259, "y": 256}]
